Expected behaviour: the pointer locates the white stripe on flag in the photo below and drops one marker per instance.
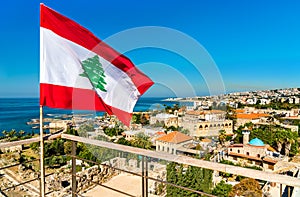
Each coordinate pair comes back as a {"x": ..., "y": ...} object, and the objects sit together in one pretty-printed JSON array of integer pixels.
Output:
[{"x": 63, "y": 59}]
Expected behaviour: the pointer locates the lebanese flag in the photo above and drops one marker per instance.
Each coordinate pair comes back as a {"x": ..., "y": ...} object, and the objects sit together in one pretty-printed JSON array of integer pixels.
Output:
[{"x": 79, "y": 71}]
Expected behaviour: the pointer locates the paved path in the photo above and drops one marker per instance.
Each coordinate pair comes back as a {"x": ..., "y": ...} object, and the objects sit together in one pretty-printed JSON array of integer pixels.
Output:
[{"x": 123, "y": 182}]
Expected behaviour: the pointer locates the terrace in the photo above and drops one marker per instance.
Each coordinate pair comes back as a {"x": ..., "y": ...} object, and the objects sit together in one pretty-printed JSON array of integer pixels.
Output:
[{"x": 134, "y": 179}]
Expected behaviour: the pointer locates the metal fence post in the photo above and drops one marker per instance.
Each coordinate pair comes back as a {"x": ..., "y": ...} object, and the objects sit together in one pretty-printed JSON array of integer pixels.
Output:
[
  {"x": 143, "y": 175},
  {"x": 146, "y": 177},
  {"x": 74, "y": 185}
]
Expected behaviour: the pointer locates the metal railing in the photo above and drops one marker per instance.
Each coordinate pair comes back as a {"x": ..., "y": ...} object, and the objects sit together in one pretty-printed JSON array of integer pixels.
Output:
[
  {"x": 145, "y": 154},
  {"x": 21, "y": 143}
]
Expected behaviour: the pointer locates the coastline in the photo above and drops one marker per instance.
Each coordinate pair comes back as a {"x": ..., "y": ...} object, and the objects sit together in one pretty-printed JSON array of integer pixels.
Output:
[{"x": 23, "y": 113}]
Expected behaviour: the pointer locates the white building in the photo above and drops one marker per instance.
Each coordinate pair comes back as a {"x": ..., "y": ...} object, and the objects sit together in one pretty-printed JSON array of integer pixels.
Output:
[
  {"x": 172, "y": 141},
  {"x": 166, "y": 119}
]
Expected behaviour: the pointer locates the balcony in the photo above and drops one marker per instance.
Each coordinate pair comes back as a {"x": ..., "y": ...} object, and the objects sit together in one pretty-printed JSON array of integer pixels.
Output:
[{"x": 128, "y": 171}]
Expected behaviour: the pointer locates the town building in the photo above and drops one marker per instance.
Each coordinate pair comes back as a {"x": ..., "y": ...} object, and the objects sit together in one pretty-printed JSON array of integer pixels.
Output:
[
  {"x": 171, "y": 142},
  {"x": 203, "y": 123},
  {"x": 254, "y": 153},
  {"x": 243, "y": 118},
  {"x": 164, "y": 119}
]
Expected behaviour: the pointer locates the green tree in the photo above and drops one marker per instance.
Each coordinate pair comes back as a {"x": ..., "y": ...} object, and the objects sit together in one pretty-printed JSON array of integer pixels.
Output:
[
  {"x": 185, "y": 131},
  {"x": 274, "y": 135},
  {"x": 222, "y": 189},
  {"x": 144, "y": 120},
  {"x": 199, "y": 179},
  {"x": 35, "y": 146},
  {"x": 84, "y": 129},
  {"x": 21, "y": 133},
  {"x": 67, "y": 147},
  {"x": 222, "y": 136},
  {"x": 172, "y": 128},
  {"x": 136, "y": 118},
  {"x": 71, "y": 131},
  {"x": 247, "y": 187},
  {"x": 172, "y": 178},
  {"x": 113, "y": 131},
  {"x": 141, "y": 141},
  {"x": 4, "y": 132},
  {"x": 123, "y": 141},
  {"x": 140, "y": 118}
]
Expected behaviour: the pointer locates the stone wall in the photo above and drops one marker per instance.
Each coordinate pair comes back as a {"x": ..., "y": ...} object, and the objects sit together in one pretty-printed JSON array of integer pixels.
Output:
[{"x": 61, "y": 181}]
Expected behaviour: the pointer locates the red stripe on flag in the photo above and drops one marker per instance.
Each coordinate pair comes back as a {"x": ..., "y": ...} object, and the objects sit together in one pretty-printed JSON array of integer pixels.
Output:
[
  {"x": 76, "y": 33},
  {"x": 63, "y": 97}
]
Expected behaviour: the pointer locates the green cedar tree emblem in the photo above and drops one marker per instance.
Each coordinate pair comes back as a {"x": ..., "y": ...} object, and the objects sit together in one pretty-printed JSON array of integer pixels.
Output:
[{"x": 93, "y": 70}]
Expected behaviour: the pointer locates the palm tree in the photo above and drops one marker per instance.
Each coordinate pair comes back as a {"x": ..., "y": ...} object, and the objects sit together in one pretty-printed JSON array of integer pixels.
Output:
[
  {"x": 279, "y": 139},
  {"x": 222, "y": 136},
  {"x": 279, "y": 144},
  {"x": 142, "y": 141},
  {"x": 21, "y": 132},
  {"x": 288, "y": 145},
  {"x": 4, "y": 133},
  {"x": 12, "y": 133}
]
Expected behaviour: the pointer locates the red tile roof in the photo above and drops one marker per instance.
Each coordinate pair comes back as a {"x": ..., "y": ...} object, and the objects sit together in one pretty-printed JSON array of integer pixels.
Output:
[
  {"x": 160, "y": 133},
  {"x": 239, "y": 111},
  {"x": 206, "y": 140},
  {"x": 251, "y": 116},
  {"x": 175, "y": 137}
]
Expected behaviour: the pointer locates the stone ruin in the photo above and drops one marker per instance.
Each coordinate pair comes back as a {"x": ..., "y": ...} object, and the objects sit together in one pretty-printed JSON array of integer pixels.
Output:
[
  {"x": 27, "y": 173},
  {"x": 60, "y": 182}
]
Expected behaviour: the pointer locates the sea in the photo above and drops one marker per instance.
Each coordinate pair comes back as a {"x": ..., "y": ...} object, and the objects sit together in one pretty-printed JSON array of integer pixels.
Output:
[{"x": 15, "y": 113}]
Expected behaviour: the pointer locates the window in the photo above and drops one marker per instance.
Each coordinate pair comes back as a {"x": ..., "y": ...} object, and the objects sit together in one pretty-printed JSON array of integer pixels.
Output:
[
  {"x": 231, "y": 149},
  {"x": 247, "y": 153},
  {"x": 271, "y": 167},
  {"x": 258, "y": 163},
  {"x": 239, "y": 151},
  {"x": 258, "y": 155}
]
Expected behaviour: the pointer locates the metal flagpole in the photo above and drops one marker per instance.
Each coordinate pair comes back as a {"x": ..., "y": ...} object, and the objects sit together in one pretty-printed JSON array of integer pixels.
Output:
[{"x": 42, "y": 165}]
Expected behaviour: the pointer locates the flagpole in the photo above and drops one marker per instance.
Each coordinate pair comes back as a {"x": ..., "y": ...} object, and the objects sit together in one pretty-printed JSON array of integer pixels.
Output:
[{"x": 42, "y": 165}]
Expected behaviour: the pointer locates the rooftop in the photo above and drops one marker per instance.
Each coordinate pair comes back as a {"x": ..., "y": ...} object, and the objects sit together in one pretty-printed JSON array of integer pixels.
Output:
[
  {"x": 256, "y": 142},
  {"x": 251, "y": 116},
  {"x": 165, "y": 116},
  {"x": 175, "y": 137}
]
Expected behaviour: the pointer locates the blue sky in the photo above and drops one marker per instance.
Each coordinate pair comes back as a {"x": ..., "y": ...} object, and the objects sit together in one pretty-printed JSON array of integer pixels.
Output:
[{"x": 254, "y": 44}]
